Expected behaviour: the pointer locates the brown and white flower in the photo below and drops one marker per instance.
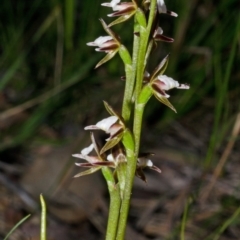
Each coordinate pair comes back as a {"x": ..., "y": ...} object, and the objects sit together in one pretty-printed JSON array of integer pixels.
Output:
[
  {"x": 144, "y": 162},
  {"x": 164, "y": 83},
  {"x": 93, "y": 162},
  {"x": 158, "y": 36},
  {"x": 113, "y": 125},
  {"x": 122, "y": 10},
  {"x": 109, "y": 44}
]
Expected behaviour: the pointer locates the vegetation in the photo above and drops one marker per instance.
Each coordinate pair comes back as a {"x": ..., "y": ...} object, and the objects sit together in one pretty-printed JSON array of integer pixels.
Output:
[{"x": 47, "y": 78}]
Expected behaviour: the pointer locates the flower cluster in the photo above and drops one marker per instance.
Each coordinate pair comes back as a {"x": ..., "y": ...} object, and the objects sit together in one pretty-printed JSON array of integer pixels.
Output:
[
  {"x": 155, "y": 84},
  {"x": 115, "y": 127}
]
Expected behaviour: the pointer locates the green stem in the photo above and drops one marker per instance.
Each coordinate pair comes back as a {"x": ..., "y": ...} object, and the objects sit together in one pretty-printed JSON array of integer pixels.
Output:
[
  {"x": 131, "y": 166},
  {"x": 121, "y": 174},
  {"x": 144, "y": 37},
  {"x": 114, "y": 206},
  {"x": 138, "y": 114},
  {"x": 130, "y": 77}
]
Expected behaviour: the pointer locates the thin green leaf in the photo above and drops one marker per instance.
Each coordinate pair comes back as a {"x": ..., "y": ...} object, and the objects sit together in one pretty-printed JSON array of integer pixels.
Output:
[{"x": 16, "y": 226}]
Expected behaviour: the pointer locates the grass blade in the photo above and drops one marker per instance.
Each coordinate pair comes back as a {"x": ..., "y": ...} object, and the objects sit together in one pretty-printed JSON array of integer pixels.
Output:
[{"x": 16, "y": 226}]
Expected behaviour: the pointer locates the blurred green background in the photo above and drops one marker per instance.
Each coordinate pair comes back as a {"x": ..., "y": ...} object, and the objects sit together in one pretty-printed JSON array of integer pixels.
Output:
[
  {"x": 49, "y": 89},
  {"x": 47, "y": 69},
  {"x": 48, "y": 77}
]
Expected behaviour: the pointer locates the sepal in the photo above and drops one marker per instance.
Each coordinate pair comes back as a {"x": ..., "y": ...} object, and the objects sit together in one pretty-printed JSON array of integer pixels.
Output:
[
  {"x": 164, "y": 100},
  {"x": 112, "y": 142},
  {"x": 108, "y": 57},
  {"x": 160, "y": 69}
]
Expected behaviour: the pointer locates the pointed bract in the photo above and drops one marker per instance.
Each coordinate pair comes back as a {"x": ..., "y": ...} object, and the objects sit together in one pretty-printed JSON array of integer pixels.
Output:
[
  {"x": 111, "y": 142},
  {"x": 160, "y": 69},
  {"x": 163, "y": 100}
]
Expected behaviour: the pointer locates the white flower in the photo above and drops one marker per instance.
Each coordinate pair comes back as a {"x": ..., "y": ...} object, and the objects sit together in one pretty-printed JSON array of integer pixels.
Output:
[
  {"x": 113, "y": 4},
  {"x": 85, "y": 155},
  {"x": 124, "y": 10},
  {"x": 162, "y": 8},
  {"x": 158, "y": 31},
  {"x": 143, "y": 162},
  {"x": 158, "y": 36},
  {"x": 164, "y": 83},
  {"x": 87, "y": 150},
  {"x": 104, "y": 124},
  {"x": 168, "y": 83},
  {"x": 101, "y": 42},
  {"x": 110, "y": 158}
]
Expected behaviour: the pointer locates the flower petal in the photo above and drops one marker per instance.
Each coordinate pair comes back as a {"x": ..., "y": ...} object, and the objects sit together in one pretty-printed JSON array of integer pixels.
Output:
[
  {"x": 164, "y": 100},
  {"x": 169, "y": 83},
  {"x": 156, "y": 169},
  {"x": 110, "y": 158},
  {"x": 99, "y": 41},
  {"x": 78, "y": 155},
  {"x": 106, "y": 123},
  {"x": 112, "y": 4},
  {"x": 109, "y": 56},
  {"x": 87, "y": 150},
  {"x": 162, "y": 8}
]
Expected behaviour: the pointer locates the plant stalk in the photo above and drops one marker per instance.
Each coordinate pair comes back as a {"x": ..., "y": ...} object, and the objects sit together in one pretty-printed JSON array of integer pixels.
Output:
[{"x": 114, "y": 206}]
